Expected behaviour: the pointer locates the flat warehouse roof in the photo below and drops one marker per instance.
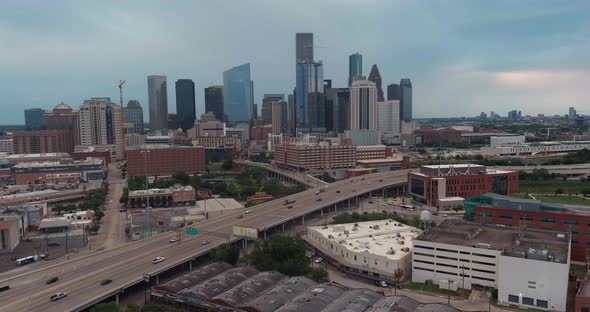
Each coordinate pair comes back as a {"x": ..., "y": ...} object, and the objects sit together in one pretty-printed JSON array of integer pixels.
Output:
[{"x": 511, "y": 241}]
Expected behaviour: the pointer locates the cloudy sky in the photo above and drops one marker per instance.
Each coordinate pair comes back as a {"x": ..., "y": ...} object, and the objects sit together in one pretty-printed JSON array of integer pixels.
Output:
[{"x": 463, "y": 57}]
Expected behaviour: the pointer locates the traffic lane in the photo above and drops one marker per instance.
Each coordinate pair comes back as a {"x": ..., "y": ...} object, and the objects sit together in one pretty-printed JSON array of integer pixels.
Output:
[
  {"x": 89, "y": 284},
  {"x": 67, "y": 271}
]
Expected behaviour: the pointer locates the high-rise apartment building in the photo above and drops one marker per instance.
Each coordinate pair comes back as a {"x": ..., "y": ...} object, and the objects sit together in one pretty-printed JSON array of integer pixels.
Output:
[
  {"x": 406, "y": 99},
  {"x": 34, "y": 118},
  {"x": 266, "y": 112},
  {"x": 375, "y": 77},
  {"x": 185, "y": 104},
  {"x": 388, "y": 120},
  {"x": 101, "y": 123},
  {"x": 237, "y": 95},
  {"x": 304, "y": 47},
  {"x": 279, "y": 117},
  {"x": 214, "y": 101},
  {"x": 355, "y": 66},
  {"x": 158, "y": 104},
  {"x": 134, "y": 115},
  {"x": 363, "y": 105},
  {"x": 393, "y": 92}
]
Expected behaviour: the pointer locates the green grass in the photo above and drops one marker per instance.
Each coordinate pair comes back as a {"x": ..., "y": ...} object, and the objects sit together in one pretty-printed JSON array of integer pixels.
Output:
[
  {"x": 431, "y": 289},
  {"x": 549, "y": 186}
]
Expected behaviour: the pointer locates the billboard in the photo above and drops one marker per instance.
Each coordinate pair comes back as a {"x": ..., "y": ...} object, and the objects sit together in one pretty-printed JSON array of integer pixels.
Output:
[{"x": 243, "y": 231}]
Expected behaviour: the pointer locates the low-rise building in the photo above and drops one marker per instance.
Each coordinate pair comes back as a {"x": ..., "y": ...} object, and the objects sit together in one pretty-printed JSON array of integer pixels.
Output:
[
  {"x": 529, "y": 267},
  {"x": 27, "y": 158},
  {"x": 49, "y": 196},
  {"x": 63, "y": 171},
  {"x": 375, "y": 248},
  {"x": 9, "y": 234},
  {"x": 445, "y": 186},
  {"x": 55, "y": 225},
  {"x": 504, "y": 210},
  {"x": 219, "y": 142},
  {"x": 165, "y": 160},
  {"x": 6, "y": 146},
  {"x": 535, "y": 148},
  {"x": 176, "y": 195},
  {"x": 376, "y": 151},
  {"x": 104, "y": 152}
]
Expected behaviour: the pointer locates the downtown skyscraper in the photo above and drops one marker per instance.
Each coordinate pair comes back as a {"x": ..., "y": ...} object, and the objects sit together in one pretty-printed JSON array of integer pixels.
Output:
[
  {"x": 363, "y": 105},
  {"x": 309, "y": 87},
  {"x": 375, "y": 77},
  {"x": 214, "y": 102},
  {"x": 405, "y": 99},
  {"x": 185, "y": 104},
  {"x": 237, "y": 95},
  {"x": 355, "y": 66},
  {"x": 158, "y": 104},
  {"x": 101, "y": 123}
]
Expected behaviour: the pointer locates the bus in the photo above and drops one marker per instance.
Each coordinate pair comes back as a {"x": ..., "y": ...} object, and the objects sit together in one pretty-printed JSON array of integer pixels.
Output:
[
  {"x": 26, "y": 260},
  {"x": 409, "y": 207}
]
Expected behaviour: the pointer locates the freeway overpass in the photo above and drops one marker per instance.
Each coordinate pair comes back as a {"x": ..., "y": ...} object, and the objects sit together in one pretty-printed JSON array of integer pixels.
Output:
[
  {"x": 573, "y": 169},
  {"x": 126, "y": 265},
  {"x": 305, "y": 179}
]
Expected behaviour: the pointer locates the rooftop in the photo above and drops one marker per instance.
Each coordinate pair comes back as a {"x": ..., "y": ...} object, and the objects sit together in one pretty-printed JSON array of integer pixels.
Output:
[
  {"x": 380, "y": 160},
  {"x": 353, "y": 301},
  {"x": 49, "y": 223},
  {"x": 249, "y": 289},
  {"x": 457, "y": 170},
  {"x": 314, "y": 299},
  {"x": 25, "y": 156},
  {"x": 194, "y": 277},
  {"x": 280, "y": 294},
  {"x": 535, "y": 244},
  {"x": 219, "y": 284},
  {"x": 158, "y": 146},
  {"x": 492, "y": 200},
  {"x": 385, "y": 238},
  {"x": 406, "y": 304},
  {"x": 219, "y": 204},
  {"x": 44, "y": 164},
  {"x": 166, "y": 191}
]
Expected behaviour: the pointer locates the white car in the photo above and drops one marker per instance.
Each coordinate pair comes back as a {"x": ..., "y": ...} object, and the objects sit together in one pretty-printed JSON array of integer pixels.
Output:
[
  {"x": 58, "y": 296},
  {"x": 174, "y": 239},
  {"x": 318, "y": 260},
  {"x": 158, "y": 260}
]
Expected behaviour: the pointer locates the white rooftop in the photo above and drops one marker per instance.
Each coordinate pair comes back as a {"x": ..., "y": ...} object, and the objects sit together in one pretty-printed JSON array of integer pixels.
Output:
[
  {"x": 453, "y": 166},
  {"x": 24, "y": 156},
  {"x": 376, "y": 237}
]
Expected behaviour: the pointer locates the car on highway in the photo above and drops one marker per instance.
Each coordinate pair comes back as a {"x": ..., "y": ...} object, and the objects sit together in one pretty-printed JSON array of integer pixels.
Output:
[
  {"x": 158, "y": 260},
  {"x": 58, "y": 296},
  {"x": 174, "y": 239},
  {"x": 318, "y": 260},
  {"x": 445, "y": 215},
  {"x": 382, "y": 284},
  {"x": 240, "y": 216},
  {"x": 337, "y": 191},
  {"x": 52, "y": 280},
  {"x": 106, "y": 281},
  {"x": 247, "y": 211},
  {"x": 289, "y": 207},
  {"x": 205, "y": 242},
  {"x": 319, "y": 199}
]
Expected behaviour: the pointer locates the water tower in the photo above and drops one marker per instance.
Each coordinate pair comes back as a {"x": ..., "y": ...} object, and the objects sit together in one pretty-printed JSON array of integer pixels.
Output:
[{"x": 425, "y": 220}]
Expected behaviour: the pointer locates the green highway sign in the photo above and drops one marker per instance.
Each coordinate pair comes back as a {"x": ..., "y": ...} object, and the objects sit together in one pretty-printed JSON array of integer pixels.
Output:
[{"x": 191, "y": 231}]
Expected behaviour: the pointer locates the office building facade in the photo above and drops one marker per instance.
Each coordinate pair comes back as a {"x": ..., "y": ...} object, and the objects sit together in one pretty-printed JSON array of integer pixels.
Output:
[
  {"x": 363, "y": 105},
  {"x": 375, "y": 77},
  {"x": 34, "y": 118},
  {"x": 237, "y": 95},
  {"x": 405, "y": 86},
  {"x": 279, "y": 117},
  {"x": 101, "y": 123},
  {"x": 304, "y": 47},
  {"x": 158, "y": 104},
  {"x": 309, "y": 97},
  {"x": 134, "y": 115},
  {"x": 389, "y": 119},
  {"x": 43, "y": 141},
  {"x": 165, "y": 160},
  {"x": 266, "y": 111},
  {"x": 185, "y": 104},
  {"x": 214, "y": 102},
  {"x": 355, "y": 66},
  {"x": 393, "y": 92}
]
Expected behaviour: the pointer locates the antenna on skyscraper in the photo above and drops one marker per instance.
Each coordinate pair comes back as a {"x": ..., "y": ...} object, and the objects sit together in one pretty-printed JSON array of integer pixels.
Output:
[{"x": 121, "y": 83}]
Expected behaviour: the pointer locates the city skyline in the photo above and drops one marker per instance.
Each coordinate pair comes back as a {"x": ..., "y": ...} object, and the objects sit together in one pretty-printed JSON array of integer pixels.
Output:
[{"x": 448, "y": 53}]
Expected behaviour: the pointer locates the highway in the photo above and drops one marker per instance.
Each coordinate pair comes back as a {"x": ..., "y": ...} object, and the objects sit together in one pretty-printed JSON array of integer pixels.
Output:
[
  {"x": 125, "y": 265},
  {"x": 571, "y": 169}
]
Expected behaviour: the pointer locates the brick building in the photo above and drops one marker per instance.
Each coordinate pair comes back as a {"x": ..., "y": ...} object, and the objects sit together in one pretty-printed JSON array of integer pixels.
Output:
[
  {"x": 445, "y": 135},
  {"x": 505, "y": 210},
  {"x": 323, "y": 155},
  {"x": 164, "y": 160},
  {"x": 447, "y": 185},
  {"x": 171, "y": 196},
  {"x": 43, "y": 141},
  {"x": 377, "y": 151}
]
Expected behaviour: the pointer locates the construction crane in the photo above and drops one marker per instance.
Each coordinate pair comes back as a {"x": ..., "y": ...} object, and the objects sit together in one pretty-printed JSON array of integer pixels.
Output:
[{"x": 121, "y": 83}]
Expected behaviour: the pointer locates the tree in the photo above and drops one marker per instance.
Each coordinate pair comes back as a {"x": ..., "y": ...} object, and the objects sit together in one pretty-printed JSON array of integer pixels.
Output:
[
  {"x": 226, "y": 253},
  {"x": 327, "y": 177},
  {"x": 181, "y": 177},
  {"x": 105, "y": 307},
  {"x": 228, "y": 164},
  {"x": 195, "y": 181},
  {"x": 319, "y": 275},
  {"x": 558, "y": 191},
  {"x": 585, "y": 192},
  {"x": 132, "y": 307},
  {"x": 280, "y": 253}
]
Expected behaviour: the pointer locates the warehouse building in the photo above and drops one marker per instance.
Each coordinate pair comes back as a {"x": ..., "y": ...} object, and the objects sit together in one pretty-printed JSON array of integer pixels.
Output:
[
  {"x": 529, "y": 267},
  {"x": 374, "y": 248}
]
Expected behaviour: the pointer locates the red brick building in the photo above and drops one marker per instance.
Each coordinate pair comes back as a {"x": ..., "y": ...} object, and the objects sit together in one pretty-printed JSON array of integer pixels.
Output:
[
  {"x": 164, "y": 160},
  {"x": 43, "y": 141},
  {"x": 260, "y": 133},
  {"x": 497, "y": 209},
  {"x": 323, "y": 155},
  {"x": 444, "y": 135},
  {"x": 436, "y": 184}
]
